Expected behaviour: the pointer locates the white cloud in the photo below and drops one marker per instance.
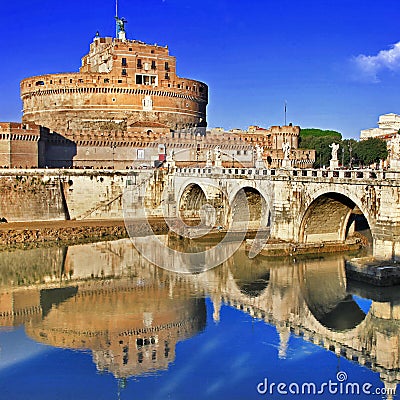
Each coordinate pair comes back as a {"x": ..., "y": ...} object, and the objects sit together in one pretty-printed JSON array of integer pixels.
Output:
[{"x": 368, "y": 67}]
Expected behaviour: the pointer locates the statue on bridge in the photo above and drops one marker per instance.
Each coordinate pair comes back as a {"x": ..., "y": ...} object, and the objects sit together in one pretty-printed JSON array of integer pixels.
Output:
[
  {"x": 217, "y": 153},
  {"x": 218, "y": 159},
  {"x": 259, "y": 152},
  {"x": 395, "y": 142},
  {"x": 209, "y": 158},
  {"x": 259, "y": 164},
  {"x": 335, "y": 147},
  {"x": 170, "y": 159},
  {"x": 286, "y": 150},
  {"x": 395, "y": 152},
  {"x": 171, "y": 156}
]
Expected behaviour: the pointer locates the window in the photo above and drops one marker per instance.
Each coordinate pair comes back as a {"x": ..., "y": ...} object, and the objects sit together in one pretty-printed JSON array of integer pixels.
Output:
[
  {"x": 139, "y": 63},
  {"x": 130, "y": 48},
  {"x": 39, "y": 83},
  {"x": 166, "y": 75},
  {"x": 146, "y": 79},
  {"x": 123, "y": 72},
  {"x": 153, "y": 65},
  {"x": 147, "y": 103},
  {"x": 166, "y": 65},
  {"x": 123, "y": 62},
  {"x": 106, "y": 80},
  {"x": 140, "y": 154}
]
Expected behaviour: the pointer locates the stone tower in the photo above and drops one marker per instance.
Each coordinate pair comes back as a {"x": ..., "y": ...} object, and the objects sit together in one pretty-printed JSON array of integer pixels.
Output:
[{"x": 120, "y": 82}]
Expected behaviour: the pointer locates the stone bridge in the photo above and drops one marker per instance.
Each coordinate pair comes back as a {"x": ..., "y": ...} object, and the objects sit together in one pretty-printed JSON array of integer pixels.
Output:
[{"x": 300, "y": 206}]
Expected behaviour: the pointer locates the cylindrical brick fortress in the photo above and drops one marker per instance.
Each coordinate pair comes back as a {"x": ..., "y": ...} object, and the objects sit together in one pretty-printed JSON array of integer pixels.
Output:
[{"x": 120, "y": 82}]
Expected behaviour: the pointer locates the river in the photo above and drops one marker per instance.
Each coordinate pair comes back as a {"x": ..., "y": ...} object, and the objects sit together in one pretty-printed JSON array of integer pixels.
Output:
[{"x": 99, "y": 321}]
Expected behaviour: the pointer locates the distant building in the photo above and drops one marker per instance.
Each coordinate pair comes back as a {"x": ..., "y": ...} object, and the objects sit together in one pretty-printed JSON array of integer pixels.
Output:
[
  {"x": 388, "y": 125},
  {"x": 19, "y": 145},
  {"x": 271, "y": 139},
  {"x": 388, "y": 128}
]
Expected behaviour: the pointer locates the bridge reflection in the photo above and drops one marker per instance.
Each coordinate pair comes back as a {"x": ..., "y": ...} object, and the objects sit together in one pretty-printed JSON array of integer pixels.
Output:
[{"x": 130, "y": 314}]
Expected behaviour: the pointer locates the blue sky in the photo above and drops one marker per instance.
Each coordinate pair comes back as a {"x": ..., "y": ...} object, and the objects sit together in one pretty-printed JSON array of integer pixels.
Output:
[{"x": 336, "y": 63}]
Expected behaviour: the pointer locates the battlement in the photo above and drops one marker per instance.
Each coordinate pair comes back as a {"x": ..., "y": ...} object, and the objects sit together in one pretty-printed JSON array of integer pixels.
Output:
[
  {"x": 19, "y": 144},
  {"x": 119, "y": 81}
]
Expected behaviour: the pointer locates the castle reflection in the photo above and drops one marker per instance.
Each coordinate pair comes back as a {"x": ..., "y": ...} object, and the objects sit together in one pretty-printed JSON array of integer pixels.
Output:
[{"x": 131, "y": 314}]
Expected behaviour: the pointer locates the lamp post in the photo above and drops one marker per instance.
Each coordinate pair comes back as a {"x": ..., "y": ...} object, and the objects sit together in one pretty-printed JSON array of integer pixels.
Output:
[
  {"x": 342, "y": 157},
  {"x": 350, "y": 159}
]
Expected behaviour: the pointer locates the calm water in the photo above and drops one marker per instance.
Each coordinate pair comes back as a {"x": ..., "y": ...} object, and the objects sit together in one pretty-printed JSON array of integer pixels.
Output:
[{"x": 97, "y": 321}]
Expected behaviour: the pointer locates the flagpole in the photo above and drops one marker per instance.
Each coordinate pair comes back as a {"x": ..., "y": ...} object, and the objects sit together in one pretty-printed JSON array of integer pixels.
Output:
[
  {"x": 116, "y": 17},
  {"x": 285, "y": 111}
]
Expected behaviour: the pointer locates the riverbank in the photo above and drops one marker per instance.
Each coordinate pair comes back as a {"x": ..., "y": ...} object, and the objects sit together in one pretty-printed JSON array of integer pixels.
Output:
[
  {"x": 64, "y": 233},
  {"x": 375, "y": 272},
  {"x": 280, "y": 248}
]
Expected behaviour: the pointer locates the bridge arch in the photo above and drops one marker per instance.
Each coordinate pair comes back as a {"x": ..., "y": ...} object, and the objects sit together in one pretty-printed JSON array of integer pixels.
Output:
[
  {"x": 203, "y": 202},
  {"x": 331, "y": 216},
  {"x": 249, "y": 206}
]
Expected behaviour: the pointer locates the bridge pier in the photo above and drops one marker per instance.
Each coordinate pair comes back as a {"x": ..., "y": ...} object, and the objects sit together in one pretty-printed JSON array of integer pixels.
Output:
[{"x": 386, "y": 244}]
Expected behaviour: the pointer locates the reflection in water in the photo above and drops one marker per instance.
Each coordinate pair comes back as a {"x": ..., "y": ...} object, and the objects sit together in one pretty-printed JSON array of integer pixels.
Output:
[
  {"x": 131, "y": 314},
  {"x": 327, "y": 297},
  {"x": 131, "y": 326}
]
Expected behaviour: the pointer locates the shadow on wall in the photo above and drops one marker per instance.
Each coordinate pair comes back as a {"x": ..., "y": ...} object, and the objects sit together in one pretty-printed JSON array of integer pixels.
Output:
[{"x": 55, "y": 150}]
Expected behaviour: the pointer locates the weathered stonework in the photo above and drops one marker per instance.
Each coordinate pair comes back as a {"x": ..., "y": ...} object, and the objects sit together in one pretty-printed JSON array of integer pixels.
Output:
[
  {"x": 120, "y": 82},
  {"x": 299, "y": 206},
  {"x": 304, "y": 206}
]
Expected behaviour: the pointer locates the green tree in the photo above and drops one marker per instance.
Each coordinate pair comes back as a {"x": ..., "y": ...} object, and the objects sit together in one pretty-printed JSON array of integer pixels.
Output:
[
  {"x": 319, "y": 140},
  {"x": 314, "y": 132},
  {"x": 371, "y": 151}
]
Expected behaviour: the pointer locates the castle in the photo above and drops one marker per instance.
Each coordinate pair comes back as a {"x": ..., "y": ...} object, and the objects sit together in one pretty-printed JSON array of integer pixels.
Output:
[{"x": 126, "y": 108}]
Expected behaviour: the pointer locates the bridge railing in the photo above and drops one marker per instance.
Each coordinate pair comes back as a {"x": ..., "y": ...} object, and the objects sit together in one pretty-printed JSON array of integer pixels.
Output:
[{"x": 353, "y": 174}]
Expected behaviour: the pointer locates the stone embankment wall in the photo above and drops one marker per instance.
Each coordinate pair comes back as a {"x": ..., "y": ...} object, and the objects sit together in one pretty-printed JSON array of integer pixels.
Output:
[
  {"x": 30, "y": 198},
  {"x": 48, "y": 195}
]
